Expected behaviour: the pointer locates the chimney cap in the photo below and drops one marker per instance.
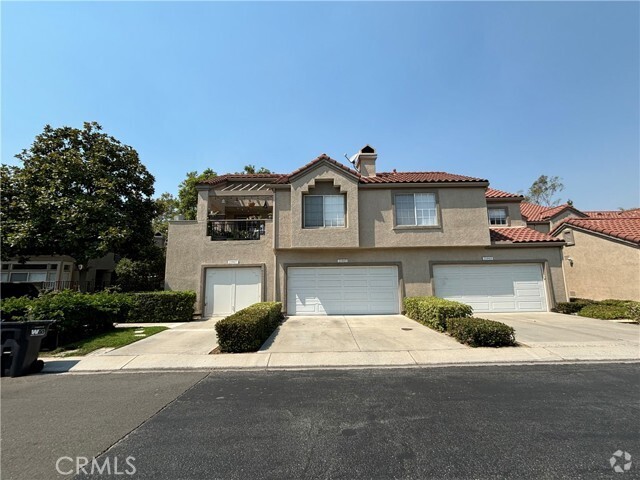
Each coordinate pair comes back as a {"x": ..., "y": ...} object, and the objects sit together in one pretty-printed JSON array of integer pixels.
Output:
[{"x": 367, "y": 149}]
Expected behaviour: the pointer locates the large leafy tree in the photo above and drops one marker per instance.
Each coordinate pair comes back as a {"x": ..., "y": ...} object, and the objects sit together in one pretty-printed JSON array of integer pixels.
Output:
[
  {"x": 167, "y": 209},
  {"x": 188, "y": 195},
  {"x": 544, "y": 190},
  {"x": 79, "y": 192}
]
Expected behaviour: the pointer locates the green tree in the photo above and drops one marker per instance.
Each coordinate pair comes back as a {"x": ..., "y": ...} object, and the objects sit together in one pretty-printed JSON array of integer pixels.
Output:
[
  {"x": 251, "y": 169},
  {"x": 79, "y": 192},
  {"x": 188, "y": 195},
  {"x": 544, "y": 190},
  {"x": 167, "y": 209},
  {"x": 141, "y": 275}
]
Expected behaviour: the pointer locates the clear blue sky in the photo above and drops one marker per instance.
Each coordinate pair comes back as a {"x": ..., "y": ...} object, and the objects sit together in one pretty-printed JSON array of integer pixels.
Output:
[{"x": 506, "y": 91}]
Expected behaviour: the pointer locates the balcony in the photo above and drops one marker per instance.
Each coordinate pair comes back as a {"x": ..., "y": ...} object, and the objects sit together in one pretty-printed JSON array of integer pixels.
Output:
[{"x": 234, "y": 230}]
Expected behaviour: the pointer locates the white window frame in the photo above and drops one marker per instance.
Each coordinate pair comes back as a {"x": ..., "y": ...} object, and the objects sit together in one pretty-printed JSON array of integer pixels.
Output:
[
  {"x": 340, "y": 224},
  {"x": 498, "y": 209},
  {"x": 418, "y": 213}
]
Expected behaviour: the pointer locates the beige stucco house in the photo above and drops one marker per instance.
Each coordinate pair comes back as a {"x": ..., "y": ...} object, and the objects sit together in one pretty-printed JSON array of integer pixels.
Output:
[
  {"x": 329, "y": 239},
  {"x": 60, "y": 272},
  {"x": 602, "y": 255}
]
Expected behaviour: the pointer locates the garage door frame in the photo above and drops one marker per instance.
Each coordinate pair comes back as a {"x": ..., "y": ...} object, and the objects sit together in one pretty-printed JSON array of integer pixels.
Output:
[
  {"x": 286, "y": 266},
  {"x": 547, "y": 281},
  {"x": 203, "y": 279}
]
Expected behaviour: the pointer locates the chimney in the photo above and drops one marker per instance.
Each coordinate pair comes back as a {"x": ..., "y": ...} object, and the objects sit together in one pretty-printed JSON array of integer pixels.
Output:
[{"x": 366, "y": 163}]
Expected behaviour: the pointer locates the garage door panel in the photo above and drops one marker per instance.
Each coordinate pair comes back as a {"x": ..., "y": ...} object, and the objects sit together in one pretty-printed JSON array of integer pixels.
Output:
[
  {"x": 228, "y": 290},
  {"x": 492, "y": 288},
  {"x": 342, "y": 290}
]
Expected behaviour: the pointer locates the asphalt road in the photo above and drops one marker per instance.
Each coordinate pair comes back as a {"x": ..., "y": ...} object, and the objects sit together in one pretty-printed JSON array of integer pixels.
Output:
[{"x": 553, "y": 421}]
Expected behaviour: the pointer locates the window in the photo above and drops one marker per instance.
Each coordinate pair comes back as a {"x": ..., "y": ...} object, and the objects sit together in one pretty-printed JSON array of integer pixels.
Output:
[
  {"x": 498, "y": 216},
  {"x": 416, "y": 209},
  {"x": 324, "y": 211}
]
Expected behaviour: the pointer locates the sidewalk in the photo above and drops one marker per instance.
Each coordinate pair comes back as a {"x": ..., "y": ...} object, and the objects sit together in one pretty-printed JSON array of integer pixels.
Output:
[
  {"x": 361, "y": 342},
  {"x": 413, "y": 358}
]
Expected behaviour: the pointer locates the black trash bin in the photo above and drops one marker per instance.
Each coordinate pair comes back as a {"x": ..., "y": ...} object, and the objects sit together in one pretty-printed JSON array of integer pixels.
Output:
[{"x": 21, "y": 345}]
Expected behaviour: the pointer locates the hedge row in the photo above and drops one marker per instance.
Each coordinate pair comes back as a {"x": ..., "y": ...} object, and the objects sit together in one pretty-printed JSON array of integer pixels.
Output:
[
  {"x": 478, "y": 332},
  {"x": 152, "y": 307},
  {"x": 248, "y": 329},
  {"x": 433, "y": 311},
  {"x": 81, "y": 315},
  {"x": 455, "y": 319},
  {"x": 610, "y": 309}
]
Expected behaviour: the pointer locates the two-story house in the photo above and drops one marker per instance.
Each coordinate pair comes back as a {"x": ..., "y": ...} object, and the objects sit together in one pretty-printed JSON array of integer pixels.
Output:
[{"x": 329, "y": 239}]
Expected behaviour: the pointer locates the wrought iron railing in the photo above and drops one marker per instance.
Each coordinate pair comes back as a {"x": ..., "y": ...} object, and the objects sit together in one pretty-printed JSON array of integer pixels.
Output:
[
  {"x": 86, "y": 286},
  {"x": 220, "y": 230}
]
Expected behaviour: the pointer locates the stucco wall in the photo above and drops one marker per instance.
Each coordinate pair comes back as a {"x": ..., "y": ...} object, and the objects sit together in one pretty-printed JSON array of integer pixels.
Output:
[
  {"x": 513, "y": 211},
  {"x": 189, "y": 251},
  {"x": 415, "y": 264},
  {"x": 462, "y": 211},
  {"x": 540, "y": 227},
  {"x": 602, "y": 268},
  {"x": 323, "y": 237}
]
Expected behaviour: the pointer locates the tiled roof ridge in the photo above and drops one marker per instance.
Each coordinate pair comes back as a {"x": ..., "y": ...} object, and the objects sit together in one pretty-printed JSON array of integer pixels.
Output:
[
  {"x": 495, "y": 193},
  {"x": 520, "y": 235},
  {"x": 624, "y": 228}
]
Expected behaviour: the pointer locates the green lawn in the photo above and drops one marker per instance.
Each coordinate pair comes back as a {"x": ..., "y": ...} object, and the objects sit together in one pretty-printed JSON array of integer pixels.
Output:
[{"x": 114, "y": 339}]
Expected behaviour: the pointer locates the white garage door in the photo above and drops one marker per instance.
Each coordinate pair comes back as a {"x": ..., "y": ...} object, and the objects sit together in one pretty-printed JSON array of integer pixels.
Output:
[
  {"x": 342, "y": 290},
  {"x": 228, "y": 290},
  {"x": 492, "y": 288}
]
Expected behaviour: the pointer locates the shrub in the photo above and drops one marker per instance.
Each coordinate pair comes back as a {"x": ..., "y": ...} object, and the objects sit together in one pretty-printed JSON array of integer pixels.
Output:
[
  {"x": 478, "y": 332},
  {"x": 15, "y": 309},
  {"x": 433, "y": 311},
  {"x": 634, "y": 311},
  {"x": 248, "y": 329},
  {"x": 77, "y": 315},
  {"x": 140, "y": 275},
  {"x": 150, "y": 307},
  {"x": 604, "y": 311},
  {"x": 571, "y": 307}
]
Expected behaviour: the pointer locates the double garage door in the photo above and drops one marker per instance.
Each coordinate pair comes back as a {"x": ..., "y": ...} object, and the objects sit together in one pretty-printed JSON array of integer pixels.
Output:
[
  {"x": 492, "y": 288},
  {"x": 342, "y": 290}
]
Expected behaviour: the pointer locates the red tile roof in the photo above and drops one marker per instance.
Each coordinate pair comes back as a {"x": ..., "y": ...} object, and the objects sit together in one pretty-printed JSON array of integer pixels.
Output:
[
  {"x": 632, "y": 213},
  {"x": 382, "y": 177},
  {"x": 242, "y": 176},
  {"x": 623, "y": 228},
  {"x": 323, "y": 157},
  {"x": 493, "y": 193},
  {"x": 539, "y": 213},
  {"x": 418, "y": 177},
  {"x": 520, "y": 235}
]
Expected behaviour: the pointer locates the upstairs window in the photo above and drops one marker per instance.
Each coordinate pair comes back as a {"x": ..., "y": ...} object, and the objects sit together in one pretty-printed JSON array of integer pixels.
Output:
[
  {"x": 324, "y": 211},
  {"x": 418, "y": 209},
  {"x": 498, "y": 216}
]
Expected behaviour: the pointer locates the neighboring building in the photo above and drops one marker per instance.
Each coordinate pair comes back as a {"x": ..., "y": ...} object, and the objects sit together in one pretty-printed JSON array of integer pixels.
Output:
[
  {"x": 602, "y": 255},
  {"x": 60, "y": 272},
  {"x": 545, "y": 219},
  {"x": 328, "y": 239}
]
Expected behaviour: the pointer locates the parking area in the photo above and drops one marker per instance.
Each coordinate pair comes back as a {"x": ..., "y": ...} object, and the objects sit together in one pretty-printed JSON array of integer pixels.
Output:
[{"x": 349, "y": 333}]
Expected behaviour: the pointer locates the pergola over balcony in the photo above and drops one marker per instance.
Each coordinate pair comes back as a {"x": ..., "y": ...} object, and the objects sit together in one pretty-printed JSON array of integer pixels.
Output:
[{"x": 239, "y": 210}]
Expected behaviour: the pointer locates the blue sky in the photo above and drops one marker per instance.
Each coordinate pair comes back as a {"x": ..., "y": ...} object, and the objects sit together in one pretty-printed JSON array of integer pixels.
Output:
[{"x": 506, "y": 91}]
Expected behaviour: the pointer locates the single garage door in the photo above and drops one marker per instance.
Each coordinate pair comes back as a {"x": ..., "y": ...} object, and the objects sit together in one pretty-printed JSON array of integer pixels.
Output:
[
  {"x": 228, "y": 290},
  {"x": 493, "y": 288},
  {"x": 342, "y": 290}
]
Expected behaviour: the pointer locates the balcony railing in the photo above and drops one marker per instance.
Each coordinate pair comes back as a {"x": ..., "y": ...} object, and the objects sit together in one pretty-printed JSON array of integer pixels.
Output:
[{"x": 220, "y": 230}]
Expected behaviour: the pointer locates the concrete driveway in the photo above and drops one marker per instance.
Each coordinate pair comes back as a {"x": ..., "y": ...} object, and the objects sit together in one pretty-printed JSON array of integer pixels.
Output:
[
  {"x": 562, "y": 334},
  {"x": 192, "y": 338},
  {"x": 372, "y": 333}
]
